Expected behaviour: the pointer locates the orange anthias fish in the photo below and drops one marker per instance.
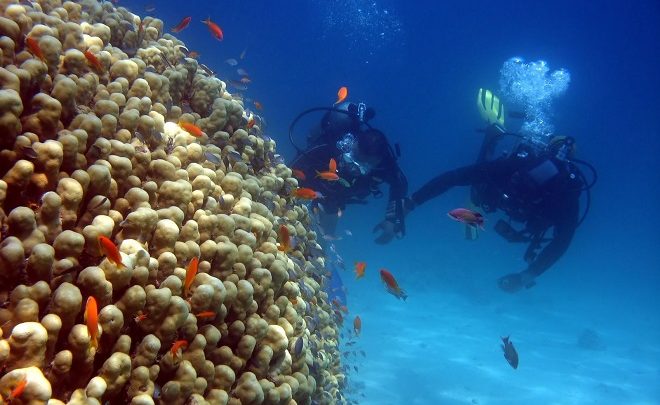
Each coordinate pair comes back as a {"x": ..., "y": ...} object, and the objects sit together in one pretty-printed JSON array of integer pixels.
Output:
[
  {"x": 332, "y": 165},
  {"x": 206, "y": 314},
  {"x": 179, "y": 344},
  {"x": 192, "y": 129},
  {"x": 342, "y": 94},
  {"x": 306, "y": 193},
  {"x": 468, "y": 217},
  {"x": 357, "y": 325},
  {"x": 251, "y": 122},
  {"x": 110, "y": 251},
  {"x": 391, "y": 285},
  {"x": 245, "y": 80},
  {"x": 182, "y": 25},
  {"x": 285, "y": 239},
  {"x": 258, "y": 105},
  {"x": 140, "y": 317},
  {"x": 92, "y": 321},
  {"x": 93, "y": 60},
  {"x": 299, "y": 174},
  {"x": 360, "y": 268},
  {"x": 191, "y": 271},
  {"x": 35, "y": 49},
  {"x": 216, "y": 31},
  {"x": 17, "y": 391},
  {"x": 329, "y": 176}
]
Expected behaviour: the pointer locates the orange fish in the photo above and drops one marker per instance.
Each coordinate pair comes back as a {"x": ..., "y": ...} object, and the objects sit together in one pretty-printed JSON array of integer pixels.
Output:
[
  {"x": 258, "y": 105},
  {"x": 360, "y": 268},
  {"x": 192, "y": 129},
  {"x": 357, "y": 325},
  {"x": 191, "y": 271},
  {"x": 140, "y": 317},
  {"x": 391, "y": 285},
  {"x": 342, "y": 94},
  {"x": 17, "y": 391},
  {"x": 179, "y": 344},
  {"x": 299, "y": 174},
  {"x": 93, "y": 60},
  {"x": 182, "y": 25},
  {"x": 329, "y": 176},
  {"x": 251, "y": 122},
  {"x": 110, "y": 251},
  {"x": 306, "y": 193},
  {"x": 216, "y": 31},
  {"x": 332, "y": 165},
  {"x": 35, "y": 49},
  {"x": 245, "y": 80},
  {"x": 92, "y": 321},
  {"x": 193, "y": 54},
  {"x": 285, "y": 239},
  {"x": 206, "y": 314}
]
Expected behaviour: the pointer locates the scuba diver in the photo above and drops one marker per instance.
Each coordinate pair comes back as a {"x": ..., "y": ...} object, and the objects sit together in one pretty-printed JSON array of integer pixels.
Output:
[
  {"x": 364, "y": 161},
  {"x": 537, "y": 185}
]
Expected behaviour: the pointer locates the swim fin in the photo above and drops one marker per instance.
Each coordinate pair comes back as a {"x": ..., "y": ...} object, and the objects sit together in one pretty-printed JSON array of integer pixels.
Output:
[{"x": 490, "y": 107}]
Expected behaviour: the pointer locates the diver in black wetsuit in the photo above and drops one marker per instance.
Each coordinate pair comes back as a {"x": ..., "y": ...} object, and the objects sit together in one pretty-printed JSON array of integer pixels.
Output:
[
  {"x": 540, "y": 188},
  {"x": 364, "y": 159}
]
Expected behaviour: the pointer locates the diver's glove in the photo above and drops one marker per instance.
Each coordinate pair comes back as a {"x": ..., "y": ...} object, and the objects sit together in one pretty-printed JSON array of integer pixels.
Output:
[
  {"x": 394, "y": 222},
  {"x": 514, "y": 282}
]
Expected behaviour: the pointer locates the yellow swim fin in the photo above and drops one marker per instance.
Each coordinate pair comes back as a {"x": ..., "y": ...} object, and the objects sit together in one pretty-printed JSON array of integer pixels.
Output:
[{"x": 490, "y": 107}]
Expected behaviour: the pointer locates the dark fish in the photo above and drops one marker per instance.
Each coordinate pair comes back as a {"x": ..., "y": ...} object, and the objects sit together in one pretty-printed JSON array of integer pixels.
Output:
[
  {"x": 103, "y": 200},
  {"x": 158, "y": 136},
  {"x": 278, "y": 159},
  {"x": 165, "y": 60},
  {"x": 207, "y": 70},
  {"x": 235, "y": 156},
  {"x": 141, "y": 137},
  {"x": 510, "y": 353},
  {"x": 213, "y": 158},
  {"x": 150, "y": 69},
  {"x": 298, "y": 348},
  {"x": 29, "y": 152}
]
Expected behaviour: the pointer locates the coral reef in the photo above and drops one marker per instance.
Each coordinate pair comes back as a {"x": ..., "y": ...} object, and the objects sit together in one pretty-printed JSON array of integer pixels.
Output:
[{"x": 91, "y": 97}]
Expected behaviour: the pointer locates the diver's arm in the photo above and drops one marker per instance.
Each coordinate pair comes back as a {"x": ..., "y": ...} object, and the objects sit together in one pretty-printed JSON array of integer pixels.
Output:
[
  {"x": 463, "y": 176},
  {"x": 564, "y": 229}
]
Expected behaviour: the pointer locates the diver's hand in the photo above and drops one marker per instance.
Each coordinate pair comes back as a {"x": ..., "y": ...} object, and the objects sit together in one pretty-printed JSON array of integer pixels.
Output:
[
  {"x": 514, "y": 282},
  {"x": 388, "y": 229}
]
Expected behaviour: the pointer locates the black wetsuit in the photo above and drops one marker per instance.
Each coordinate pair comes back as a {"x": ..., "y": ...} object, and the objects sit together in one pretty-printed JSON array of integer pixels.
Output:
[
  {"x": 353, "y": 188},
  {"x": 512, "y": 185}
]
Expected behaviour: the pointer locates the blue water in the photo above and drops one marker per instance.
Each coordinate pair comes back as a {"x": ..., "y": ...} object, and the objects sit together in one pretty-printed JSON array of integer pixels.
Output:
[{"x": 419, "y": 64}]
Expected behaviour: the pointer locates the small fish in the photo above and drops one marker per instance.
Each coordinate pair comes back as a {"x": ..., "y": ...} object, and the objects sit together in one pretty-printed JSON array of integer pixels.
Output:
[
  {"x": 17, "y": 391},
  {"x": 391, "y": 285},
  {"x": 298, "y": 174},
  {"x": 285, "y": 239},
  {"x": 100, "y": 203},
  {"x": 193, "y": 54},
  {"x": 360, "y": 268},
  {"x": 258, "y": 105},
  {"x": 192, "y": 129},
  {"x": 93, "y": 61},
  {"x": 243, "y": 54},
  {"x": 212, "y": 157},
  {"x": 342, "y": 94},
  {"x": 298, "y": 348},
  {"x": 332, "y": 165},
  {"x": 235, "y": 156},
  {"x": 242, "y": 72},
  {"x": 306, "y": 193},
  {"x": 231, "y": 62},
  {"x": 179, "y": 344},
  {"x": 206, "y": 314},
  {"x": 344, "y": 182},
  {"x": 150, "y": 8},
  {"x": 251, "y": 123},
  {"x": 191, "y": 271},
  {"x": 35, "y": 49},
  {"x": 245, "y": 80},
  {"x": 348, "y": 232},
  {"x": 357, "y": 325},
  {"x": 468, "y": 217},
  {"x": 182, "y": 25},
  {"x": 215, "y": 29},
  {"x": 207, "y": 70},
  {"x": 92, "y": 321},
  {"x": 110, "y": 250},
  {"x": 140, "y": 317},
  {"x": 328, "y": 176},
  {"x": 510, "y": 353}
]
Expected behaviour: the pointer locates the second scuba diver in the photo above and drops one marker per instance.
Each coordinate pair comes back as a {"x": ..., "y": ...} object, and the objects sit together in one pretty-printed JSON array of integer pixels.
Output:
[{"x": 537, "y": 185}]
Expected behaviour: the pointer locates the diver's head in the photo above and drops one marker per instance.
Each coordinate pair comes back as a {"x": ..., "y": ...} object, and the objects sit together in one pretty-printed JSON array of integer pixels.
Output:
[
  {"x": 562, "y": 147},
  {"x": 362, "y": 152},
  {"x": 346, "y": 117}
]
